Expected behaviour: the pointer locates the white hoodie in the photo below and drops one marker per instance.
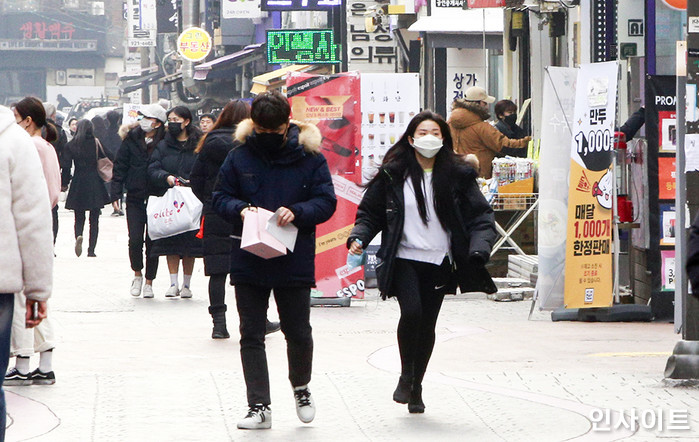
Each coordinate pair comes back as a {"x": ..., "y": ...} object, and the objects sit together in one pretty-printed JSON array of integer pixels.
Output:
[{"x": 26, "y": 238}]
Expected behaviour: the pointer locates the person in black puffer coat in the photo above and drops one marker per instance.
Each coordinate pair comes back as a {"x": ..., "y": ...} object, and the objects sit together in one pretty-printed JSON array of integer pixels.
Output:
[
  {"x": 437, "y": 231},
  {"x": 277, "y": 167},
  {"x": 170, "y": 165},
  {"x": 130, "y": 175},
  {"x": 211, "y": 152}
]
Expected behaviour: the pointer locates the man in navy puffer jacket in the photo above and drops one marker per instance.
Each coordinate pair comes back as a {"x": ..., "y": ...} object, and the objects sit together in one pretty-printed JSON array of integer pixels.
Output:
[{"x": 278, "y": 166}]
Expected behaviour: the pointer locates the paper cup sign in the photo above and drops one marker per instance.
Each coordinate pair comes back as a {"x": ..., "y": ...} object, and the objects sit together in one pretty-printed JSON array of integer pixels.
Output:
[{"x": 194, "y": 44}]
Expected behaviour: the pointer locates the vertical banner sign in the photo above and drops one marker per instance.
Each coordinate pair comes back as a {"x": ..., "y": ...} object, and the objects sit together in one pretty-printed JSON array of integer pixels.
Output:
[
  {"x": 588, "y": 269},
  {"x": 332, "y": 104},
  {"x": 137, "y": 36},
  {"x": 370, "y": 47},
  {"x": 556, "y": 135},
  {"x": 389, "y": 102}
]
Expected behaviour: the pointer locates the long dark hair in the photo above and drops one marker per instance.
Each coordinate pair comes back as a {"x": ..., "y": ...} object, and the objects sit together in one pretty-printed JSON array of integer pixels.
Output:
[
  {"x": 33, "y": 107},
  {"x": 234, "y": 112},
  {"x": 401, "y": 161},
  {"x": 83, "y": 143}
]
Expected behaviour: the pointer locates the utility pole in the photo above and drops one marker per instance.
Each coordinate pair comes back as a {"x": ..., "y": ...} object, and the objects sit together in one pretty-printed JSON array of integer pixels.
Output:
[{"x": 684, "y": 362}]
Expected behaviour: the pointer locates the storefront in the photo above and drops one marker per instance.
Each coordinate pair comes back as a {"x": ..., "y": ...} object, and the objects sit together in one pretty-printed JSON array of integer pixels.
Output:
[{"x": 47, "y": 54}]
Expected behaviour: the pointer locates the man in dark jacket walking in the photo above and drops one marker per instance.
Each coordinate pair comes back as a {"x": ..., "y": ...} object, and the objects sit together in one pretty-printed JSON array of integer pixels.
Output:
[
  {"x": 278, "y": 167},
  {"x": 130, "y": 174}
]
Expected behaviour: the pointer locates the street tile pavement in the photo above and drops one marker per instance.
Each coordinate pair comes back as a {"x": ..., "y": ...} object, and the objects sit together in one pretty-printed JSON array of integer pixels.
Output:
[{"x": 133, "y": 369}]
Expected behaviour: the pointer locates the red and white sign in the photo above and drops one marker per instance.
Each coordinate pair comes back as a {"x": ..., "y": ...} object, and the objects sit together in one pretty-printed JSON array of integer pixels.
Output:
[
  {"x": 332, "y": 103},
  {"x": 680, "y": 5}
]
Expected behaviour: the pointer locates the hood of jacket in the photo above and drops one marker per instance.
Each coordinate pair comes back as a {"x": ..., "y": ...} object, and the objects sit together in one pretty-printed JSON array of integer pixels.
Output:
[
  {"x": 124, "y": 129},
  {"x": 308, "y": 135},
  {"x": 7, "y": 118},
  {"x": 467, "y": 114}
]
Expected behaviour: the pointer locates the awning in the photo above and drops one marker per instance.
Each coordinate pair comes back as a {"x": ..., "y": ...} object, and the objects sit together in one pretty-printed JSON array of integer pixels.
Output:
[
  {"x": 277, "y": 78},
  {"x": 140, "y": 82},
  {"x": 473, "y": 21},
  {"x": 201, "y": 71}
]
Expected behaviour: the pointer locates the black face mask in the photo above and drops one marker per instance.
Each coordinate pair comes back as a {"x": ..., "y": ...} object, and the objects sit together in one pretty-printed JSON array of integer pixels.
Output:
[
  {"x": 174, "y": 129},
  {"x": 511, "y": 120},
  {"x": 270, "y": 142}
]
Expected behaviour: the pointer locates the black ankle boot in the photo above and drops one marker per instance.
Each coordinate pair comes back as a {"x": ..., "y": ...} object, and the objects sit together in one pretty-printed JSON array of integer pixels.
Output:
[
  {"x": 402, "y": 392},
  {"x": 415, "y": 405},
  {"x": 219, "y": 316}
]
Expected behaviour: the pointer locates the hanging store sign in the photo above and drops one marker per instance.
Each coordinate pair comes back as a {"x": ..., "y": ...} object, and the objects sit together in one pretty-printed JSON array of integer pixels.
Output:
[
  {"x": 241, "y": 9},
  {"x": 588, "y": 268},
  {"x": 306, "y": 46},
  {"x": 194, "y": 44},
  {"x": 370, "y": 46},
  {"x": 137, "y": 35},
  {"x": 299, "y": 5}
]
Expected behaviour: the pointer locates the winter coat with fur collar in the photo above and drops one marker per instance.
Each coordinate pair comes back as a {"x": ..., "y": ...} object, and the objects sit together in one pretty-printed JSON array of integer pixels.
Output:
[
  {"x": 296, "y": 177},
  {"x": 471, "y": 133},
  {"x": 26, "y": 238}
]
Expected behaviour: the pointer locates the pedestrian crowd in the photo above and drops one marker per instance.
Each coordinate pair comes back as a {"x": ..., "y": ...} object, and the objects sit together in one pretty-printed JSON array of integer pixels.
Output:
[{"x": 436, "y": 226}]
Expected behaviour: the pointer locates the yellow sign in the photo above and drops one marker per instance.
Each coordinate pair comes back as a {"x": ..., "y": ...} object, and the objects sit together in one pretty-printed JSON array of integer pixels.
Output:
[
  {"x": 194, "y": 44},
  {"x": 333, "y": 239},
  {"x": 588, "y": 267}
]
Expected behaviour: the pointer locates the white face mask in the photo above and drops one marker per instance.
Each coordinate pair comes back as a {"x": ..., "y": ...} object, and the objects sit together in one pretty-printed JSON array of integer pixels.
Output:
[
  {"x": 428, "y": 145},
  {"x": 146, "y": 125}
]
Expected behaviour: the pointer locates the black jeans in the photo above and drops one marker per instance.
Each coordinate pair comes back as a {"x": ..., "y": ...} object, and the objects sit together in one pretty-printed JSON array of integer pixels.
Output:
[
  {"x": 136, "y": 221},
  {"x": 7, "y": 306},
  {"x": 94, "y": 227},
  {"x": 419, "y": 308},
  {"x": 54, "y": 213},
  {"x": 294, "y": 307}
]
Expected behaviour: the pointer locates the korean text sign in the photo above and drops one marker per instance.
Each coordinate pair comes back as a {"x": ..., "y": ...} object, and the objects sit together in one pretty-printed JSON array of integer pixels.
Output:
[{"x": 588, "y": 269}]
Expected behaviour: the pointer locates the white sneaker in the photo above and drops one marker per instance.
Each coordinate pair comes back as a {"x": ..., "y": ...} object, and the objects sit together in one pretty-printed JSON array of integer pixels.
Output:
[
  {"x": 185, "y": 292},
  {"x": 148, "y": 291},
  {"x": 305, "y": 406},
  {"x": 172, "y": 292},
  {"x": 136, "y": 286},
  {"x": 259, "y": 417}
]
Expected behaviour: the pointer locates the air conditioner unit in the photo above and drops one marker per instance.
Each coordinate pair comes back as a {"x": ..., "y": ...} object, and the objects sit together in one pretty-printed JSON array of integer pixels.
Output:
[{"x": 96, "y": 8}]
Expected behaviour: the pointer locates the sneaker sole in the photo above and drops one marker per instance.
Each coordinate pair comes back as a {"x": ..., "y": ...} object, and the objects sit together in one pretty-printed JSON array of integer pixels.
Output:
[
  {"x": 43, "y": 381},
  {"x": 262, "y": 426},
  {"x": 148, "y": 296},
  {"x": 17, "y": 383}
]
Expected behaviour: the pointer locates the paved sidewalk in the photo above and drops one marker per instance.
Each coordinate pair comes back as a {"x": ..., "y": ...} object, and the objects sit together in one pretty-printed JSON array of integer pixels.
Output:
[{"x": 133, "y": 369}]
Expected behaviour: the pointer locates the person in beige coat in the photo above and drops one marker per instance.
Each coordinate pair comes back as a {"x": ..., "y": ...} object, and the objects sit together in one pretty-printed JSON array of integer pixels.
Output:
[
  {"x": 26, "y": 237},
  {"x": 473, "y": 134}
]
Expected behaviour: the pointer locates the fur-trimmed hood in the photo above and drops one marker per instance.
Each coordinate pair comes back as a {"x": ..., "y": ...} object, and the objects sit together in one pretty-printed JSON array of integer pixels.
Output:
[
  {"x": 467, "y": 114},
  {"x": 309, "y": 135},
  {"x": 125, "y": 128}
]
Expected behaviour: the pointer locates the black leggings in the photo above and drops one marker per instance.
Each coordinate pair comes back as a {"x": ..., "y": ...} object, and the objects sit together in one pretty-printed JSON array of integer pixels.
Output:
[
  {"x": 217, "y": 292},
  {"x": 419, "y": 308},
  {"x": 94, "y": 227}
]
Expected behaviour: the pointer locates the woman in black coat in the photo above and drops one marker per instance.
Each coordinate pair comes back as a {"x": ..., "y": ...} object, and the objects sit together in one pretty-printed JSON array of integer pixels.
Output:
[
  {"x": 212, "y": 151},
  {"x": 433, "y": 238},
  {"x": 171, "y": 165},
  {"x": 87, "y": 191},
  {"x": 131, "y": 177}
]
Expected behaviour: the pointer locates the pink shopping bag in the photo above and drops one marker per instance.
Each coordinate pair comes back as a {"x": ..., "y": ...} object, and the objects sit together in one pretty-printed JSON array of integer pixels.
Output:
[{"x": 256, "y": 239}]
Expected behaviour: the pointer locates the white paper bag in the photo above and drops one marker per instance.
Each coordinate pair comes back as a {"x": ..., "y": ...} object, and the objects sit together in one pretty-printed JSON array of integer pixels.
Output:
[{"x": 178, "y": 211}]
